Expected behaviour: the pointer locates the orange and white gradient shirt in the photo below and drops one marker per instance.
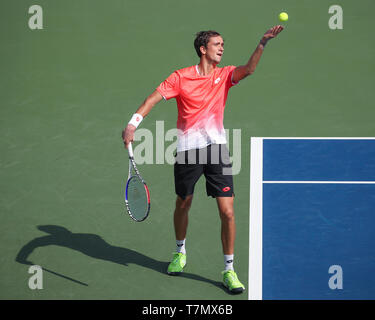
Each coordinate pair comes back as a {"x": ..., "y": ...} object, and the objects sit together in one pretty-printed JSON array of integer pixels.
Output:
[{"x": 200, "y": 102}]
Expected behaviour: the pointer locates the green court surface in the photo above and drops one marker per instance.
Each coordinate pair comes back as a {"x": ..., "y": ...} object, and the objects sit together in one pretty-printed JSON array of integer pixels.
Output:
[{"x": 68, "y": 90}]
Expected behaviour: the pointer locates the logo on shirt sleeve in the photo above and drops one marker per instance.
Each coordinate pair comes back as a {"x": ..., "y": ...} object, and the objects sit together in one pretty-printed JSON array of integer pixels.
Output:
[{"x": 217, "y": 80}]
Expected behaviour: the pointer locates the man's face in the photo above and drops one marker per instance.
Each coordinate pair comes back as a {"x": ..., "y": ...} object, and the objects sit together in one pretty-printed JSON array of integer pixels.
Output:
[{"x": 214, "y": 50}]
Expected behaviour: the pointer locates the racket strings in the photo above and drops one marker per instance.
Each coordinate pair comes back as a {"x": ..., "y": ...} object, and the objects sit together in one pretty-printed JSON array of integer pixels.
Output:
[{"x": 137, "y": 198}]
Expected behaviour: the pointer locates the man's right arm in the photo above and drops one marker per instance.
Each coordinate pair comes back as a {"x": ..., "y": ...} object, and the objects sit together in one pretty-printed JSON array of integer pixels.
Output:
[{"x": 143, "y": 110}]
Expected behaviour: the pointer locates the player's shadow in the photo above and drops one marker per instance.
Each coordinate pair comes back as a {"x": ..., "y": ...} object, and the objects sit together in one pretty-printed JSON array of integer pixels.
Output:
[{"x": 94, "y": 246}]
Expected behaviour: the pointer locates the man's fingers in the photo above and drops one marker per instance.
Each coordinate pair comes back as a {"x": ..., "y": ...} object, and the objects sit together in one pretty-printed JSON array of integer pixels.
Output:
[
  {"x": 126, "y": 143},
  {"x": 128, "y": 135},
  {"x": 123, "y": 137},
  {"x": 279, "y": 29},
  {"x": 274, "y": 31}
]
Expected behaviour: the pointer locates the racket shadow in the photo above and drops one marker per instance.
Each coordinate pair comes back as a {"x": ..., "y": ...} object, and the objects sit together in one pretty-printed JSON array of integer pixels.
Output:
[{"x": 94, "y": 246}]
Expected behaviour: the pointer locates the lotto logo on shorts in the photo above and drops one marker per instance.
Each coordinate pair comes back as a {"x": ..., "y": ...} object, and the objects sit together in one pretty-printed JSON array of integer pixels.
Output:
[{"x": 226, "y": 189}]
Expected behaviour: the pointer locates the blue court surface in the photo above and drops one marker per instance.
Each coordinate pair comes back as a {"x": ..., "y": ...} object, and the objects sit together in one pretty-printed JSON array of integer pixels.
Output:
[{"x": 312, "y": 218}]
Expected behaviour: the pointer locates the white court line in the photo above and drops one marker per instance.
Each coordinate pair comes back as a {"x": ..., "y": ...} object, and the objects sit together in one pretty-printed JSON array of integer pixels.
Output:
[
  {"x": 256, "y": 220},
  {"x": 324, "y": 182}
]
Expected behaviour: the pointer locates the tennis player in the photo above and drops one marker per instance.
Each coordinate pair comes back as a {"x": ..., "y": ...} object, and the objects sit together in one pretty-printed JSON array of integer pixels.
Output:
[{"x": 201, "y": 91}]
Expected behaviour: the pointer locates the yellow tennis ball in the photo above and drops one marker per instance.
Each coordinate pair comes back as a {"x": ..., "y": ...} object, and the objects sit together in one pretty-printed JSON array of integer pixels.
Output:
[{"x": 283, "y": 16}]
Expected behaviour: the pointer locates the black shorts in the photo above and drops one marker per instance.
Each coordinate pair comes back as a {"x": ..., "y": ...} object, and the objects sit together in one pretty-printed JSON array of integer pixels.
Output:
[{"x": 212, "y": 161}]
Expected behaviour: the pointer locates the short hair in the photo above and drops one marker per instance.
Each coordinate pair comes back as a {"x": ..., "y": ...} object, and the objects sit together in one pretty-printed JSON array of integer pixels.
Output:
[{"x": 202, "y": 38}]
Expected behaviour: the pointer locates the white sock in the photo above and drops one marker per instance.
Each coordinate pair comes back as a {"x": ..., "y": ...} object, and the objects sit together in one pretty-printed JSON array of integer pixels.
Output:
[
  {"x": 228, "y": 261},
  {"x": 181, "y": 246}
]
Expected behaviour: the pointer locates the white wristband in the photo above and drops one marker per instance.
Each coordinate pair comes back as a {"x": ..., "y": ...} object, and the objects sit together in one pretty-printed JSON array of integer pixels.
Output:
[{"x": 136, "y": 119}]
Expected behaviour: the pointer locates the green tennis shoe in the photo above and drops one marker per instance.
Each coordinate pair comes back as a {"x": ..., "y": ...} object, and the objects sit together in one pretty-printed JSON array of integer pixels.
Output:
[
  {"x": 177, "y": 265},
  {"x": 231, "y": 282}
]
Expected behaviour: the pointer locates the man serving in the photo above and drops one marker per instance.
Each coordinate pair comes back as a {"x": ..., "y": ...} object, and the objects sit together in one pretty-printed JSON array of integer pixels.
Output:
[{"x": 201, "y": 92}]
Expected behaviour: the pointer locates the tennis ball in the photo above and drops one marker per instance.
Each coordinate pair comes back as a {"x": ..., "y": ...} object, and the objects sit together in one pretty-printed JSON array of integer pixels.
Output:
[{"x": 283, "y": 16}]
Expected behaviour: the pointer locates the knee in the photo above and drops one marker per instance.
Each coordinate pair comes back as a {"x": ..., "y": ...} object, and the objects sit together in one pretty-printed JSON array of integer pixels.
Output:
[
  {"x": 227, "y": 214},
  {"x": 184, "y": 204}
]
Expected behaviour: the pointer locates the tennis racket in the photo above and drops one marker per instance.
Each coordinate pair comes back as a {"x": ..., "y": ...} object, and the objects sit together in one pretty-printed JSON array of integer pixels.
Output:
[{"x": 137, "y": 196}]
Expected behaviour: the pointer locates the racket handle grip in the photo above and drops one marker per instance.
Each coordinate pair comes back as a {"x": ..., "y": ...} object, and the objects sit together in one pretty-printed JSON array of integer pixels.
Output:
[{"x": 130, "y": 150}]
